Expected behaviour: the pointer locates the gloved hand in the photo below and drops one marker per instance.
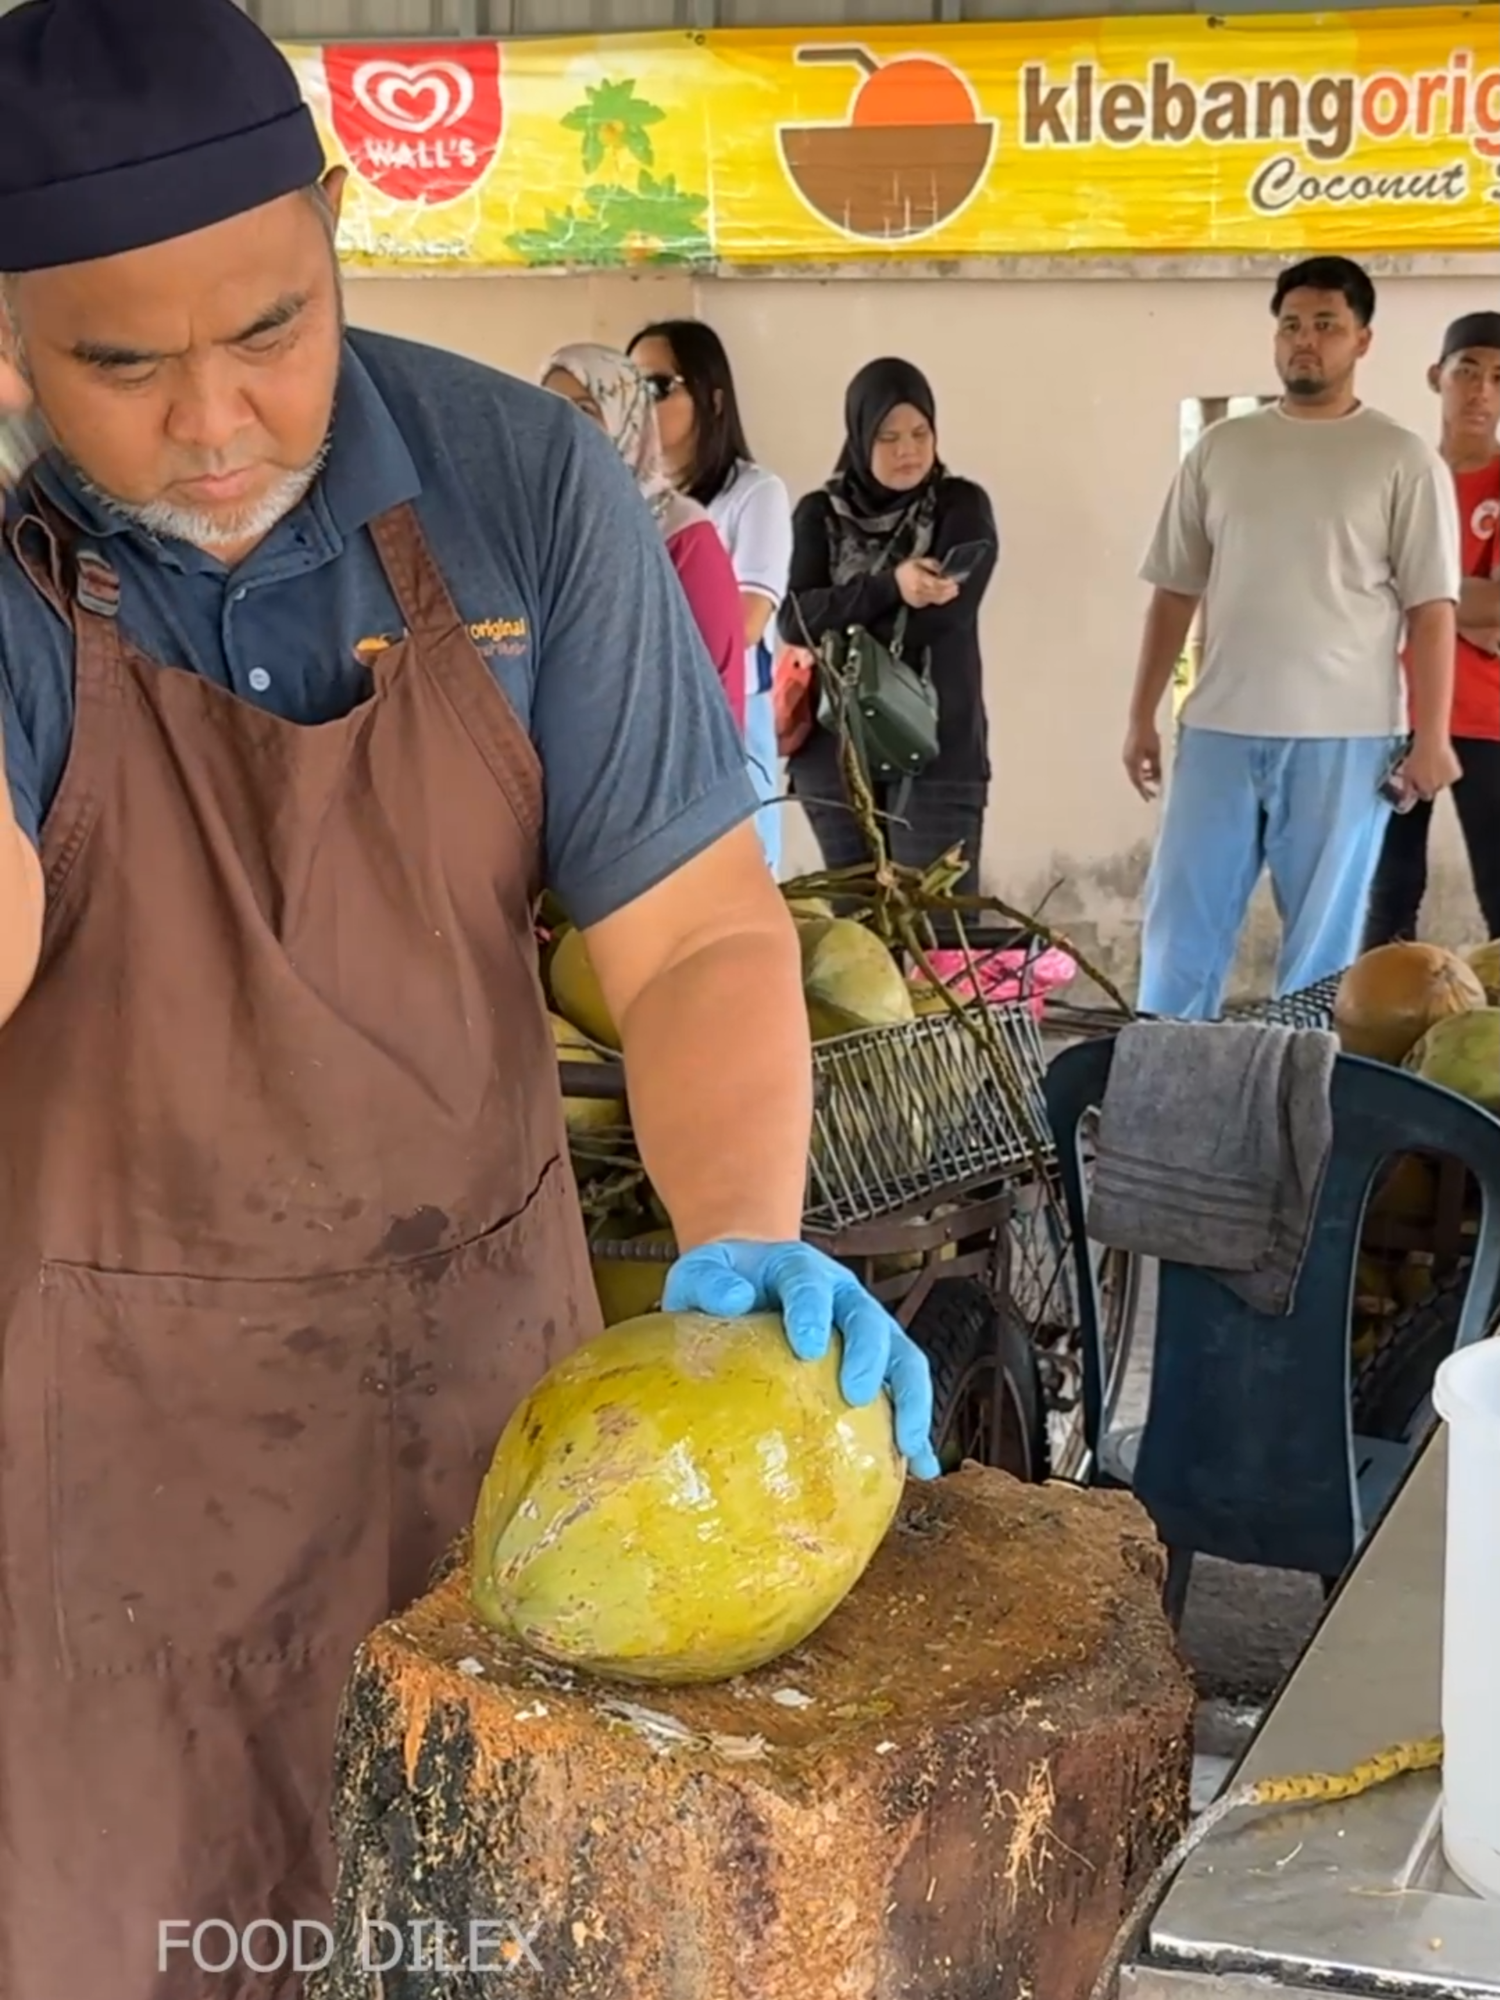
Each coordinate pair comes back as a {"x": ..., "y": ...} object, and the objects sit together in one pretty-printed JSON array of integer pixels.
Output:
[{"x": 814, "y": 1295}]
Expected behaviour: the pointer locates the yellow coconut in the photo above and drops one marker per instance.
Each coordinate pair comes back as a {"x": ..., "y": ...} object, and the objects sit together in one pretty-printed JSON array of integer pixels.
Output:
[
  {"x": 928, "y": 999},
  {"x": 1485, "y": 964},
  {"x": 1374, "y": 1287},
  {"x": 900, "y": 1263},
  {"x": 1463, "y": 1055},
  {"x": 849, "y": 980},
  {"x": 1415, "y": 1280},
  {"x": 631, "y": 1287},
  {"x": 1391, "y": 996},
  {"x": 576, "y": 993},
  {"x": 682, "y": 1500},
  {"x": 583, "y": 1115},
  {"x": 1407, "y": 1193},
  {"x": 810, "y": 909}
]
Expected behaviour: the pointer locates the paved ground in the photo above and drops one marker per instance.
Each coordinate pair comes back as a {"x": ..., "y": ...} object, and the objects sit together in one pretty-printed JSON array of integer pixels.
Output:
[{"x": 1245, "y": 1629}]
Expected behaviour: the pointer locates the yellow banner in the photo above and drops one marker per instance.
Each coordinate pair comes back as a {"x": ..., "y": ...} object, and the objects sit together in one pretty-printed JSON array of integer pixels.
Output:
[{"x": 1284, "y": 133}]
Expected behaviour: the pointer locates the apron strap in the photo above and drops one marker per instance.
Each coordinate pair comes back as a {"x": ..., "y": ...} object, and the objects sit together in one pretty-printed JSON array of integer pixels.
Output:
[
  {"x": 434, "y": 623},
  {"x": 36, "y": 548},
  {"x": 83, "y": 588},
  {"x": 417, "y": 584}
]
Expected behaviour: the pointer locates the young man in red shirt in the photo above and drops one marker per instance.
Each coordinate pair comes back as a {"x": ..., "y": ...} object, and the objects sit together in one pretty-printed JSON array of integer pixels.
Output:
[{"x": 1467, "y": 379}]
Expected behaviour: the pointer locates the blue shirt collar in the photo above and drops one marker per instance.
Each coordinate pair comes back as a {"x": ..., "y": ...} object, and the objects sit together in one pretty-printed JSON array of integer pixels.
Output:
[{"x": 368, "y": 471}]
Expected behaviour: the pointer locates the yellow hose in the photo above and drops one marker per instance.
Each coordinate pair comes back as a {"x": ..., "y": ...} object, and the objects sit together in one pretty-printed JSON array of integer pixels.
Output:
[
  {"x": 1318, "y": 1788},
  {"x": 1310, "y": 1788}
]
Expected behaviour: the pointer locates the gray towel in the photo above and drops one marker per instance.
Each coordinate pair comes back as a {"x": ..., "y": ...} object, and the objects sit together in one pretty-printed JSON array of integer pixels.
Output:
[{"x": 1214, "y": 1139}]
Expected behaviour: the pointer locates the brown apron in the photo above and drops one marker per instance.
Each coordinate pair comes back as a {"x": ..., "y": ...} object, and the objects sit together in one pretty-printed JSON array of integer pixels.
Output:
[{"x": 287, "y": 1227}]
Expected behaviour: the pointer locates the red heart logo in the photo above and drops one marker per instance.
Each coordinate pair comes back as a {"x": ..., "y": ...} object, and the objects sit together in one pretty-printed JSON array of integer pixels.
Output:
[{"x": 420, "y": 125}]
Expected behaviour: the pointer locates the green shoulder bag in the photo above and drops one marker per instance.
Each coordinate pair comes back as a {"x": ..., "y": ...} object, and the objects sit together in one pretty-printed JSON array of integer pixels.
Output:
[{"x": 887, "y": 707}]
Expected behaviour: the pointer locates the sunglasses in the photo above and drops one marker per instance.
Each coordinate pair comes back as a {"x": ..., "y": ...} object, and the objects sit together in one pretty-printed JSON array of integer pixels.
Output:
[{"x": 663, "y": 386}]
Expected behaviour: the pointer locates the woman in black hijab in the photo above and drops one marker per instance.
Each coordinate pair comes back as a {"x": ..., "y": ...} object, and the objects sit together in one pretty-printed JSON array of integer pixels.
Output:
[{"x": 876, "y": 538}]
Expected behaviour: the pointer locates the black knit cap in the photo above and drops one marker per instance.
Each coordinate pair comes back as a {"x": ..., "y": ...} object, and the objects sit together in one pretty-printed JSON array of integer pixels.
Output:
[
  {"x": 125, "y": 123},
  {"x": 1475, "y": 329}
]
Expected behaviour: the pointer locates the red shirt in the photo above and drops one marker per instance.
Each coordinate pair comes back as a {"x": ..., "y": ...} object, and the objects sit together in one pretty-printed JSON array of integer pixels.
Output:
[
  {"x": 708, "y": 582},
  {"x": 1476, "y": 684}
]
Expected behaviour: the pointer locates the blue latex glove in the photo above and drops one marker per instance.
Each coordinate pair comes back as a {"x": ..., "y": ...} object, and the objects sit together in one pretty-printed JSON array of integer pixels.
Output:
[{"x": 814, "y": 1295}]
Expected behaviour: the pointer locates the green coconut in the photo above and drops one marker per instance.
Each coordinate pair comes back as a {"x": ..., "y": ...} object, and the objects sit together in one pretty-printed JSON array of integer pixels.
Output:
[
  {"x": 849, "y": 980},
  {"x": 868, "y": 1128},
  {"x": 1485, "y": 963},
  {"x": 630, "y": 1287},
  {"x": 682, "y": 1500},
  {"x": 576, "y": 992},
  {"x": 811, "y": 909},
  {"x": 1462, "y": 1054},
  {"x": 583, "y": 1115}
]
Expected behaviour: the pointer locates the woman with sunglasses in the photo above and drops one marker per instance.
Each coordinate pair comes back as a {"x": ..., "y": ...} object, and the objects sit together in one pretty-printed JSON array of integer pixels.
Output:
[
  {"x": 610, "y": 390},
  {"x": 703, "y": 440}
]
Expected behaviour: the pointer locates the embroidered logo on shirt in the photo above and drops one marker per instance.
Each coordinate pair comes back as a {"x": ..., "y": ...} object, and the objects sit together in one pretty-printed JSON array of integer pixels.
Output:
[
  {"x": 1485, "y": 519},
  {"x": 368, "y": 650},
  {"x": 501, "y": 638},
  {"x": 496, "y": 638}
]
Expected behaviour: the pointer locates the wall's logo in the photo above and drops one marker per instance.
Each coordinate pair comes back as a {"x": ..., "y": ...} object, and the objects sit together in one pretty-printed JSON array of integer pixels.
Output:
[
  {"x": 1485, "y": 519},
  {"x": 908, "y": 155},
  {"x": 418, "y": 127}
]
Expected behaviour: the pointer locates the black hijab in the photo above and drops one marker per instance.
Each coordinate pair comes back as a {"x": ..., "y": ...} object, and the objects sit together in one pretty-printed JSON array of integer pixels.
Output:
[{"x": 875, "y": 527}]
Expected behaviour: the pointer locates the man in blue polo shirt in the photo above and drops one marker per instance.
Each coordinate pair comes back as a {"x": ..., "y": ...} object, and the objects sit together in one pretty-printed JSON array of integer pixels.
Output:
[{"x": 320, "y": 654}]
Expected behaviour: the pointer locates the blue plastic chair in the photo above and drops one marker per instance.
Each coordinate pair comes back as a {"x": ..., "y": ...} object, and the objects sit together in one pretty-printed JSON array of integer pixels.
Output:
[{"x": 1248, "y": 1452}]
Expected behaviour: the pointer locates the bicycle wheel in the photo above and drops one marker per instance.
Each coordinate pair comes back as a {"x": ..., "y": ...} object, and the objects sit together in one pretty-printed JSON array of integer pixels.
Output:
[
  {"x": 986, "y": 1382},
  {"x": 1044, "y": 1289}
]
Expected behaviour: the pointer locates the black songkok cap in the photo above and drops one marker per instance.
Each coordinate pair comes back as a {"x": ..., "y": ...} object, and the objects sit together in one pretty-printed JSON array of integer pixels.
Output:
[
  {"x": 1476, "y": 329},
  {"x": 130, "y": 122}
]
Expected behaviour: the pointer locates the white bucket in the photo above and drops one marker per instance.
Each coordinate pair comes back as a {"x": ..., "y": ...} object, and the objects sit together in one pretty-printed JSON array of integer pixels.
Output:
[{"x": 1467, "y": 1394}]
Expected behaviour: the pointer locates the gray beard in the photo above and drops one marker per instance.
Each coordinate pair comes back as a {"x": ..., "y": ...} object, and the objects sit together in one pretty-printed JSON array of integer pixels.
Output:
[{"x": 211, "y": 532}]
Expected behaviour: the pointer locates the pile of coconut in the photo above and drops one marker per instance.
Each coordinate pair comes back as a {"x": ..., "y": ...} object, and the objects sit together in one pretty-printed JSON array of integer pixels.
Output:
[{"x": 1431, "y": 1011}]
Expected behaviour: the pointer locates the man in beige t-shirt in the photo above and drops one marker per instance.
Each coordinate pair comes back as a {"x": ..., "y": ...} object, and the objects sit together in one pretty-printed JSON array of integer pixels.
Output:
[{"x": 1313, "y": 533}]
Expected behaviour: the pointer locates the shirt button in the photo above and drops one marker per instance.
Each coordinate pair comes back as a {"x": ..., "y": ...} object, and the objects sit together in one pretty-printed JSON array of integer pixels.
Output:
[
  {"x": 260, "y": 680},
  {"x": 241, "y": 594}
]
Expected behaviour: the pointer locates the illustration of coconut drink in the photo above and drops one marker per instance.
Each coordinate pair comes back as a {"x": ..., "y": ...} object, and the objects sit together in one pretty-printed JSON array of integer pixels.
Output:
[{"x": 909, "y": 154}]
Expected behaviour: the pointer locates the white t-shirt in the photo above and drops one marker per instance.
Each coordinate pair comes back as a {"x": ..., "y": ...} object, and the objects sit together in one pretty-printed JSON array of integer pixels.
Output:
[
  {"x": 753, "y": 515},
  {"x": 1308, "y": 540}
]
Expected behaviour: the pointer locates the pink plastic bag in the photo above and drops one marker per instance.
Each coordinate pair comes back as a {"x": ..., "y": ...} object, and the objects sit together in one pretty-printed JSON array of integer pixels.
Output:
[{"x": 1003, "y": 975}]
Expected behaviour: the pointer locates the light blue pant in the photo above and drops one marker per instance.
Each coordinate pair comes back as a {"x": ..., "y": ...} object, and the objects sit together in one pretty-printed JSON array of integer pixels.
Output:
[
  {"x": 765, "y": 771},
  {"x": 1309, "y": 810}
]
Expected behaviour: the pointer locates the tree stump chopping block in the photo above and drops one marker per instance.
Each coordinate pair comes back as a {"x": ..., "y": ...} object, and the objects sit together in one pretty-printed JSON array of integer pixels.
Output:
[{"x": 951, "y": 1792}]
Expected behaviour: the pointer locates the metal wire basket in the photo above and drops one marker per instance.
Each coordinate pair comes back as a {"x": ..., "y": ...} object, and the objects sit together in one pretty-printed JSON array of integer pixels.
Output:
[
  {"x": 1312, "y": 1007},
  {"x": 909, "y": 1113}
]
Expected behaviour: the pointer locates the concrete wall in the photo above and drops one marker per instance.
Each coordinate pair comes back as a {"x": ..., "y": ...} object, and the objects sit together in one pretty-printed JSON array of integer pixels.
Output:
[{"x": 1064, "y": 399}]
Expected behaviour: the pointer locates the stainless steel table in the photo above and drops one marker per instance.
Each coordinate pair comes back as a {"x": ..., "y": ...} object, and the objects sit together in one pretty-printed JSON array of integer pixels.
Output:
[{"x": 1287, "y": 1902}]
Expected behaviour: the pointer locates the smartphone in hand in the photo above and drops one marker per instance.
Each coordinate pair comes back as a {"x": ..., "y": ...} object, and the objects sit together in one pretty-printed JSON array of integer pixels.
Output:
[
  {"x": 960, "y": 563},
  {"x": 1393, "y": 788}
]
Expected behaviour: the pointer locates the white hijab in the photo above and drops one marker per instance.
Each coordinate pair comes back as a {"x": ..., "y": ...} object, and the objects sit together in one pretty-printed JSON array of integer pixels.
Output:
[{"x": 627, "y": 411}]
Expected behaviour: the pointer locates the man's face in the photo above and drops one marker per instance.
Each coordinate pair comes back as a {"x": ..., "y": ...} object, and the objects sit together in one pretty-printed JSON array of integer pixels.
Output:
[
  {"x": 1469, "y": 384},
  {"x": 1319, "y": 344},
  {"x": 192, "y": 383}
]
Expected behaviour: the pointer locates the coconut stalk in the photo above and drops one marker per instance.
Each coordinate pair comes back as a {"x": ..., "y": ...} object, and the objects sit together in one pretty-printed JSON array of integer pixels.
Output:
[
  {"x": 897, "y": 898},
  {"x": 899, "y": 904}
]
